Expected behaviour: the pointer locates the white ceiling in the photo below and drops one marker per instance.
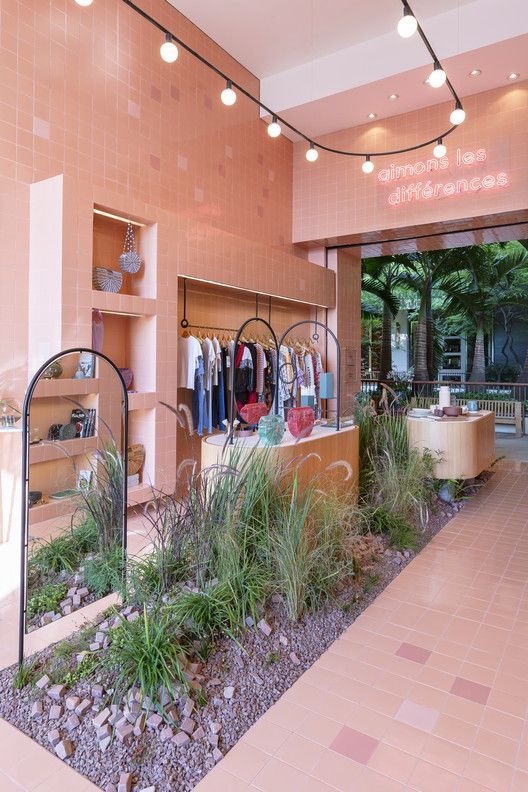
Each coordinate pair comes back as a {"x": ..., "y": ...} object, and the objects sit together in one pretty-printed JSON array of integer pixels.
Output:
[
  {"x": 270, "y": 36},
  {"x": 325, "y": 64}
]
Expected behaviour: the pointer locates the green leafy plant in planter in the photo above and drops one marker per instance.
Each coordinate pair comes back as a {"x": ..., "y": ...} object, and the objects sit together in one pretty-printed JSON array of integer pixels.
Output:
[
  {"x": 104, "y": 571},
  {"x": 46, "y": 599},
  {"x": 148, "y": 653}
]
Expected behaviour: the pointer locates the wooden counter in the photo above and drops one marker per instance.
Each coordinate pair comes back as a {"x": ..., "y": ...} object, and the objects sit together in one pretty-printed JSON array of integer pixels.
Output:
[
  {"x": 466, "y": 443},
  {"x": 325, "y": 444}
]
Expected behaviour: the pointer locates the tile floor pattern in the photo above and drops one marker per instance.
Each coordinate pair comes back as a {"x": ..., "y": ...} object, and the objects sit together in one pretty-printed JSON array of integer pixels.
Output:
[{"x": 428, "y": 689}]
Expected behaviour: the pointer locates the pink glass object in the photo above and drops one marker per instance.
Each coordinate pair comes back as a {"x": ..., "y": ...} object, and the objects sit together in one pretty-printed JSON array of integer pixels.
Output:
[
  {"x": 251, "y": 413},
  {"x": 301, "y": 421}
]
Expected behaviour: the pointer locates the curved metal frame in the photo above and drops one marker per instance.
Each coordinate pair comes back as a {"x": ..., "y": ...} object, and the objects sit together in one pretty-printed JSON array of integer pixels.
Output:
[
  {"x": 240, "y": 88},
  {"x": 338, "y": 349},
  {"x": 232, "y": 400},
  {"x": 25, "y": 477}
]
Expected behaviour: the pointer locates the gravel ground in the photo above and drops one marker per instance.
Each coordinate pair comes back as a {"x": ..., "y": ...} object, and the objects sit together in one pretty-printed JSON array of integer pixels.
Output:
[{"x": 260, "y": 669}]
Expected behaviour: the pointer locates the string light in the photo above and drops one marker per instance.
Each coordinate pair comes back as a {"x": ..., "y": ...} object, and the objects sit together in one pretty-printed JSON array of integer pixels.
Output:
[
  {"x": 408, "y": 24},
  {"x": 440, "y": 150},
  {"x": 437, "y": 77},
  {"x": 312, "y": 153},
  {"x": 458, "y": 116},
  {"x": 169, "y": 50},
  {"x": 228, "y": 96},
  {"x": 368, "y": 165},
  {"x": 274, "y": 129}
]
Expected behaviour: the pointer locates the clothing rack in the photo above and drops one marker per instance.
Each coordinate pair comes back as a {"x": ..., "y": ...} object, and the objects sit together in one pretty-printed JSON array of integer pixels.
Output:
[{"x": 208, "y": 327}]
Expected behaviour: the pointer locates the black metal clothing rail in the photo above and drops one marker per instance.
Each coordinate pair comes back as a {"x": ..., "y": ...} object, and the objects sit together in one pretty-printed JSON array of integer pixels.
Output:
[{"x": 24, "y": 526}]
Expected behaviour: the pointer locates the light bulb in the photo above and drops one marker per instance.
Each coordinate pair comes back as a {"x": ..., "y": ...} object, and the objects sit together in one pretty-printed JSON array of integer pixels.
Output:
[
  {"x": 274, "y": 129},
  {"x": 437, "y": 77},
  {"x": 407, "y": 26},
  {"x": 228, "y": 96},
  {"x": 458, "y": 115},
  {"x": 513, "y": 76},
  {"x": 84, "y": 3},
  {"x": 368, "y": 165},
  {"x": 439, "y": 150},
  {"x": 312, "y": 153},
  {"x": 169, "y": 50}
]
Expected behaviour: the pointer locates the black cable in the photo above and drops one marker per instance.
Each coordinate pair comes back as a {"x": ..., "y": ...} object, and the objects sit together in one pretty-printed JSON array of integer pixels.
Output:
[{"x": 283, "y": 121}]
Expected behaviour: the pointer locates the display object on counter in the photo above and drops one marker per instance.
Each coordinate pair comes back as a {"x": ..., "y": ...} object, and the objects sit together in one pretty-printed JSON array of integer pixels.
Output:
[
  {"x": 252, "y": 413},
  {"x": 271, "y": 429},
  {"x": 301, "y": 421},
  {"x": 33, "y": 497},
  {"x": 472, "y": 405}
]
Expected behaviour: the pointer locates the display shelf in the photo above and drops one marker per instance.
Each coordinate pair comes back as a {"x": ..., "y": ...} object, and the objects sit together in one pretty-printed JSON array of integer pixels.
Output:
[
  {"x": 51, "y": 452},
  {"x": 49, "y": 388},
  {"x": 138, "y": 400},
  {"x": 128, "y": 304},
  {"x": 55, "y": 508},
  {"x": 141, "y": 493}
]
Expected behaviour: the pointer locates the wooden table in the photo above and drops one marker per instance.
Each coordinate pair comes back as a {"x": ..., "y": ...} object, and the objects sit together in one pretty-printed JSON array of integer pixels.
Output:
[
  {"x": 466, "y": 444},
  {"x": 325, "y": 444}
]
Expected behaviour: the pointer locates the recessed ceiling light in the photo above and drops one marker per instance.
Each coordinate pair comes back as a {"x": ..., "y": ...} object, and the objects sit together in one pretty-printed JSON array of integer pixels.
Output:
[
  {"x": 475, "y": 72},
  {"x": 393, "y": 97},
  {"x": 372, "y": 115},
  {"x": 513, "y": 76}
]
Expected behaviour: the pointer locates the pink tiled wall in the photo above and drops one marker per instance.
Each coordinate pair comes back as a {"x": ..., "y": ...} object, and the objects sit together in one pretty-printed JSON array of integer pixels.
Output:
[{"x": 333, "y": 198}]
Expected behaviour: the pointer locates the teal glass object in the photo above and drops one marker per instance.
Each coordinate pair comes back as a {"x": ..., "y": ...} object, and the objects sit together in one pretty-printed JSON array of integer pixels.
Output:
[
  {"x": 271, "y": 429},
  {"x": 472, "y": 406}
]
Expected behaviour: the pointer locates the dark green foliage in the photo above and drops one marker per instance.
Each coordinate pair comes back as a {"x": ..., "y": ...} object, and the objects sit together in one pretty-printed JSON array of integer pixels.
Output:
[
  {"x": 25, "y": 674},
  {"x": 46, "y": 599},
  {"x": 401, "y": 533},
  {"x": 148, "y": 653},
  {"x": 103, "y": 572}
]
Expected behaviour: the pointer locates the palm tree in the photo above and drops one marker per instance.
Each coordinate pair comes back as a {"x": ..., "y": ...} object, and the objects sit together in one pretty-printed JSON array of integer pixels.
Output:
[
  {"x": 492, "y": 279},
  {"x": 422, "y": 272},
  {"x": 380, "y": 276}
]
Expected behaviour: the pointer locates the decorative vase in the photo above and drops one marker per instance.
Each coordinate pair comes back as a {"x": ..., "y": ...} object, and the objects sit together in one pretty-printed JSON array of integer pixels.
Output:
[
  {"x": 301, "y": 421},
  {"x": 54, "y": 371},
  {"x": 444, "y": 396},
  {"x": 252, "y": 413},
  {"x": 271, "y": 429},
  {"x": 472, "y": 406}
]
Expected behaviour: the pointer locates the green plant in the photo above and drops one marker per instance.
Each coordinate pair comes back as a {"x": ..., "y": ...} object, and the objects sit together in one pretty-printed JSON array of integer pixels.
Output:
[
  {"x": 103, "y": 572},
  {"x": 104, "y": 500},
  {"x": 47, "y": 599},
  {"x": 400, "y": 532},
  {"x": 25, "y": 673},
  {"x": 148, "y": 653}
]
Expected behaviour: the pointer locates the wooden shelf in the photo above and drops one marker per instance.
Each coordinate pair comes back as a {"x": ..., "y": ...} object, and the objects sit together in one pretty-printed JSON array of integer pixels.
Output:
[
  {"x": 55, "y": 508},
  {"x": 128, "y": 304},
  {"x": 142, "y": 400},
  {"x": 51, "y": 452},
  {"x": 49, "y": 388}
]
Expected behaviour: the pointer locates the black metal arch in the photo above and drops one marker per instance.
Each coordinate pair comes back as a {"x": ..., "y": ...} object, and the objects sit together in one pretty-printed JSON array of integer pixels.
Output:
[
  {"x": 25, "y": 477},
  {"x": 338, "y": 350},
  {"x": 241, "y": 329}
]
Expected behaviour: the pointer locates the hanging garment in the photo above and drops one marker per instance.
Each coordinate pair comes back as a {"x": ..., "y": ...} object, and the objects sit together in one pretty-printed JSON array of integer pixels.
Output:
[
  {"x": 309, "y": 370},
  {"x": 198, "y": 398},
  {"x": 261, "y": 368},
  {"x": 189, "y": 350},
  {"x": 209, "y": 364},
  {"x": 243, "y": 373}
]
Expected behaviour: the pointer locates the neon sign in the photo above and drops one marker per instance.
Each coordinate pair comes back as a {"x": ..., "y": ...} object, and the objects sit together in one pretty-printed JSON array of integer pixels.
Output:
[{"x": 428, "y": 189}]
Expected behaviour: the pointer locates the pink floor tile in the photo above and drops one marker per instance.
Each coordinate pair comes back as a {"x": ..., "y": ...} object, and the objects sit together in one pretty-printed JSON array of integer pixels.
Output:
[
  {"x": 473, "y": 691},
  {"x": 413, "y": 652},
  {"x": 417, "y": 715},
  {"x": 354, "y": 744}
]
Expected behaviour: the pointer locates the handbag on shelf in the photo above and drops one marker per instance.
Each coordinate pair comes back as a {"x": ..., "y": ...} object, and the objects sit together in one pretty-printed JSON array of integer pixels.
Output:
[
  {"x": 130, "y": 260},
  {"x": 107, "y": 280}
]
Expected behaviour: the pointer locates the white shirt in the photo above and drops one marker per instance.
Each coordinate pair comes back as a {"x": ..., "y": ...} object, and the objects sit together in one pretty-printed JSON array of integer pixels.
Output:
[
  {"x": 189, "y": 350},
  {"x": 209, "y": 362},
  {"x": 218, "y": 360}
]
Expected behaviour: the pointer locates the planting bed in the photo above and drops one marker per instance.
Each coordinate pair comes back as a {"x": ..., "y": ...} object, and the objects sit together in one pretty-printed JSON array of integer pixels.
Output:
[{"x": 236, "y": 684}]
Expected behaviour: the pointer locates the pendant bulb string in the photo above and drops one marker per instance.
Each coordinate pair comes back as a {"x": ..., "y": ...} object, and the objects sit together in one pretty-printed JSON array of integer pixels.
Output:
[{"x": 232, "y": 87}]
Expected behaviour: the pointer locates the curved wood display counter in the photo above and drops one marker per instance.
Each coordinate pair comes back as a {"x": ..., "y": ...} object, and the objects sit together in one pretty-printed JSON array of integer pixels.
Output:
[
  {"x": 466, "y": 444},
  {"x": 320, "y": 451}
]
